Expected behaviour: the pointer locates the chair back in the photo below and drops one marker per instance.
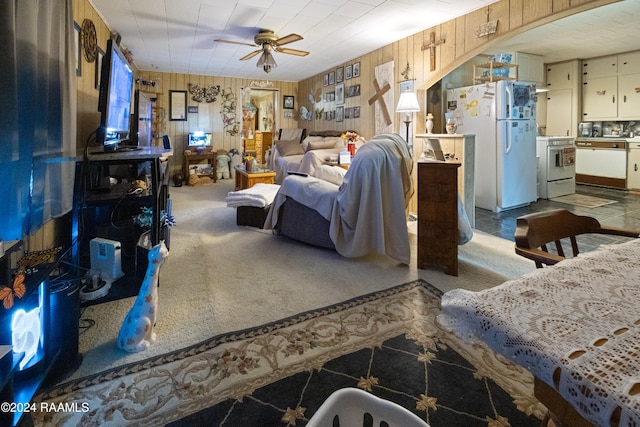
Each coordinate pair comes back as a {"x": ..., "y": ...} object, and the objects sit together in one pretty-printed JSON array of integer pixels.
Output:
[
  {"x": 539, "y": 229},
  {"x": 166, "y": 141}
]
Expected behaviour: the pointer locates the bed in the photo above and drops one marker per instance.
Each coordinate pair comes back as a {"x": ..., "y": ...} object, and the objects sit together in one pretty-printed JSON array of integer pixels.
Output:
[{"x": 575, "y": 326}]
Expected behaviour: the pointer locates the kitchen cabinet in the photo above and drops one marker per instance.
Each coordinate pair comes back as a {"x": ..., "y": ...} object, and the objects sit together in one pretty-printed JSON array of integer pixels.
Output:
[
  {"x": 629, "y": 96},
  {"x": 605, "y": 66},
  {"x": 560, "y": 112},
  {"x": 629, "y": 63},
  {"x": 563, "y": 106},
  {"x": 530, "y": 68},
  {"x": 610, "y": 88},
  {"x": 562, "y": 75},
  {"x": 600, "y": 98},
  {"x": 633, "y": 166}
]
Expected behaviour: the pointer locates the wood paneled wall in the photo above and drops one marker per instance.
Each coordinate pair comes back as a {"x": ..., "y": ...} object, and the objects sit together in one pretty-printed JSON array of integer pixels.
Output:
[
  {"x": 89, "y": 118},
  {"x": 461, "y": 44}
]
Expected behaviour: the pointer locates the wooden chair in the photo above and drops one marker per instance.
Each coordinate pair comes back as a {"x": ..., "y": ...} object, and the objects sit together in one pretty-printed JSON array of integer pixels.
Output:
[{"x": 535, "y": 231}]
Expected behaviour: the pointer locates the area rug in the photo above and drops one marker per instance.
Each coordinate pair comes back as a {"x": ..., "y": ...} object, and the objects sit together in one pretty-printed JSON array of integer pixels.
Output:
[
  {"x": 232, "y": 369},
  {"x": 583, "y": 200}
]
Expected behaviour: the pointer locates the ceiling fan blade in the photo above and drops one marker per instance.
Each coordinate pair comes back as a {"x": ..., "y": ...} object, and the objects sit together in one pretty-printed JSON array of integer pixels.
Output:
[
  {"x": 292, "y": 51},
  {"x": 287, "y": 39},
  {"x": 232, "y": 42},
  {"x": 251, "y": 55}
]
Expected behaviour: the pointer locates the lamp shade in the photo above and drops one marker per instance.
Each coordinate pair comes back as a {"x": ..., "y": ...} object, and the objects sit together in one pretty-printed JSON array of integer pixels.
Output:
[
  {"x": 266, "y": 61},
  {"x": 408, "y": 103}
]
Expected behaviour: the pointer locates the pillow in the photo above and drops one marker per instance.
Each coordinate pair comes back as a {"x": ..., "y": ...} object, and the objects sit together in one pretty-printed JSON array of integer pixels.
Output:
[
  {"x": 327, "y": 142},
  {"x": 332, "y": 174},
  {"x": 307, "y": 140},
  {"x": 289, "y": 148}
]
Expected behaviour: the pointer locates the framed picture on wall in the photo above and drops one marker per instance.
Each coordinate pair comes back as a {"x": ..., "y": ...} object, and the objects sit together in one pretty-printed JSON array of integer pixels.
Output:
[
  {"x": 332, "y": 78},
  {"x": 339, "y": 114},
  {"x": 339, "y": 74},
  {"x": 348, "y": 72},
  {"x": 326, "y": 80},
  {"x": 178, "y": 105},
  {"x": 99, "y": 67},
  {"x": 339, "y": 93},
  {"x": 356, "y": 69},
  {"x": 287, "y": 102},
  {"x": 77, "y": 43}
]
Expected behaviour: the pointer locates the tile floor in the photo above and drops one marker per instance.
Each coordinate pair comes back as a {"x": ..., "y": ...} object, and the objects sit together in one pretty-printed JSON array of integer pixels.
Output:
[{"x": 624, "y": 214}]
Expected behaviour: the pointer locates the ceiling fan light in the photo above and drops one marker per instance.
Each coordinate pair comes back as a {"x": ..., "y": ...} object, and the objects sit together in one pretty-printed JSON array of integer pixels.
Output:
[{"x": 266, "y": 61}]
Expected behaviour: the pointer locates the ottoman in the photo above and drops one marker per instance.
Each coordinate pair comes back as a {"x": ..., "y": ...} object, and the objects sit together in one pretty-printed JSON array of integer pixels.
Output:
[{"x": 252, "y": 216}]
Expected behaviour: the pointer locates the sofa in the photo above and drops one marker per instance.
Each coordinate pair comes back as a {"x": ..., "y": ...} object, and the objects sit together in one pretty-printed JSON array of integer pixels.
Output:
[
  {"x": 365, "y": 214},
  {"x": 305, "y": 155}
]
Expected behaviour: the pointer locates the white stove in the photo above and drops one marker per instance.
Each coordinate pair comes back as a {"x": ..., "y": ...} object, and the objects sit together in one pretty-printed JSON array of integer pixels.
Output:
[{"x": 557, "y": 165}]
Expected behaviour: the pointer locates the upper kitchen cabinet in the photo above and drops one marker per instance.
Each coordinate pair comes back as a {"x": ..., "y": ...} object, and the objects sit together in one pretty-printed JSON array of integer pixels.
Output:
[
  {"x": 563, "y": 98},
  {"x": 605, "y": 66},
  {"x": 628, "y": 92},
  {"x": 531, "y": 68},
  {"x": 562, "y": 75},
  {"x": 629, "y": 86},
  {"x": 600, "y": 98},
  {"x": 610, "y": 87},
  {"x": 629, "y": 63}
]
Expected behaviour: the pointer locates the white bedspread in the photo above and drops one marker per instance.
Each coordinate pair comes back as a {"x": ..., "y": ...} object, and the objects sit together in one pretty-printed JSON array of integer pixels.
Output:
[
  {"x": 576, "y": 323},
  {"x": 367, "y": 212}
]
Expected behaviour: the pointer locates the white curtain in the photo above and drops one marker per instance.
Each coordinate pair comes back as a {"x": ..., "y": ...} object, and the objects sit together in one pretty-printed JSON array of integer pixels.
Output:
[{"x": 37, "y": 113}]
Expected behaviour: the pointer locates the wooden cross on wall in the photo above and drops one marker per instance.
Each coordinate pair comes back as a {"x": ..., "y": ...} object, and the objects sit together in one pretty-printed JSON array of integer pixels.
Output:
[
  {"x": 380, "y": 91},
  {"x": 432, "y": 50}
]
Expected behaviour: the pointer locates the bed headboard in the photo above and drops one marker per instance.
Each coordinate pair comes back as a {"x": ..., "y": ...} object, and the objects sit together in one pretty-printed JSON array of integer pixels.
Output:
[{"x": 290, "y": 133}]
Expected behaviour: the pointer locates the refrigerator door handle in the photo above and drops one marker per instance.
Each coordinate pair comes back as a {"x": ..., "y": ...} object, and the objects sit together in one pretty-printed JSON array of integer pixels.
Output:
[
  {"x": 508, "y": 89},
  {"x": 508, "y": 142}
]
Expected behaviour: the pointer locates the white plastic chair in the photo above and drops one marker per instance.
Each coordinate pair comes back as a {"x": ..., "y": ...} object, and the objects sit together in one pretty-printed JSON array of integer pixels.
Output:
[{"x": 357, "y": 408}]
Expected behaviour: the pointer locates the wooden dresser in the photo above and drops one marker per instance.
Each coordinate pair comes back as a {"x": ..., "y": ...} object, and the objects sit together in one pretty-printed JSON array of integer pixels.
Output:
[
  {"x": 262, "y": 142},
  {"x": 438, "y": 215}
]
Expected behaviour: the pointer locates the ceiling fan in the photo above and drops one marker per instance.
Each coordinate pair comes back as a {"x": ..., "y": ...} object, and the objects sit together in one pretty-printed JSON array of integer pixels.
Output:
[{"x": 268, "y": 41}]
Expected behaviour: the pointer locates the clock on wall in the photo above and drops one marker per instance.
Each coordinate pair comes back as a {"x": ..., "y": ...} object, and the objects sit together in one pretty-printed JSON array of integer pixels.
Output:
[{"x": 89, "y": 40}]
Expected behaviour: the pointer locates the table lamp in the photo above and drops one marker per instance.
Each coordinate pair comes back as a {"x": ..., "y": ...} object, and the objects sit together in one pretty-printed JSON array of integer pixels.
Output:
[{"x": 408, "y": 104}]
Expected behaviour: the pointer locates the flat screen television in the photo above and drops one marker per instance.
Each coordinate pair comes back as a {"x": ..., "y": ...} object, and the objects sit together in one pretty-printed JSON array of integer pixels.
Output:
[
  {"x": 140, "y": 134},
  {"x": 200, "y": 139},
  {"x": 114, "y": 102}
]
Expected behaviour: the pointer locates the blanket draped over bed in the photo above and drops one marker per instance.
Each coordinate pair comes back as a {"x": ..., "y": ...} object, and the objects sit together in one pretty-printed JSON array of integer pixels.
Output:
[{"x": 367, "y": 211}]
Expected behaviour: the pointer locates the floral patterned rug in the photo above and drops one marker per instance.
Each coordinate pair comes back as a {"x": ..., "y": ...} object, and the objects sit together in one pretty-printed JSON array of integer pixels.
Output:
[{"x": 278, "y": 374}]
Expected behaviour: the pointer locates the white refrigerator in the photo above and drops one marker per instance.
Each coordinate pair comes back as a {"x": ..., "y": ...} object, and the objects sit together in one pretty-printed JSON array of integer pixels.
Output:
[{"x": 502, "y": 115}]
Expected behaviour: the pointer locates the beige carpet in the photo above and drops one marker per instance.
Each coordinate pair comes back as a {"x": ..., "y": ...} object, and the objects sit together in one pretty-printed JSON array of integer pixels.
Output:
[
  {"x": 220, "y": 277},
  {"x": 583, "y": 200}
]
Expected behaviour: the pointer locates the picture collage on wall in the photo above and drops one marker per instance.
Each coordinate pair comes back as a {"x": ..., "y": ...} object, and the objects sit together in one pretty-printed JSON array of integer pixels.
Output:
[{"x": 333, "y": 100}]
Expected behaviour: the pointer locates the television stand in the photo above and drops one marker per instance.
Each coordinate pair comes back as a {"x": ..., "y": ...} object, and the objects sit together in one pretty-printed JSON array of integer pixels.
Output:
[{"x": 194, "y": 157}]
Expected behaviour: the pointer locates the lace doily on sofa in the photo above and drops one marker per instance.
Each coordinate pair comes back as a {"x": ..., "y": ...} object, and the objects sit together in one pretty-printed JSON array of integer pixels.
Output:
[{"x": 579, "y": 319}]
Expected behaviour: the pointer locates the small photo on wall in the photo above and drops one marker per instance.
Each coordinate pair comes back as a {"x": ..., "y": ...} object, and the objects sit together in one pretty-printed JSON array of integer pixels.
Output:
[
  {"x": 356, "y": 69},
  {"x": 348, "y": 72},
  {"x": 339, "y": 74},
  {"x": 288, "y": 102}
]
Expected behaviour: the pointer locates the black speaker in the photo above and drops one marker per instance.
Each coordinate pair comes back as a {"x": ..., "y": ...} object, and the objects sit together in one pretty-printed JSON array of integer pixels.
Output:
[{"x": 63, "y": 331}]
